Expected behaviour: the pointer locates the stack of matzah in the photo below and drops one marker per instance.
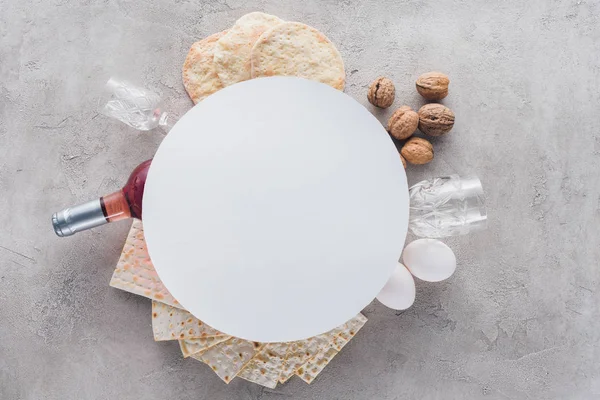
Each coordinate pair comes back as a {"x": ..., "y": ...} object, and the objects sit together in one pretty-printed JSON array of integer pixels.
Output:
[
  {"x": 260, "y": 45},
  {"x": 262, "y": 363}
]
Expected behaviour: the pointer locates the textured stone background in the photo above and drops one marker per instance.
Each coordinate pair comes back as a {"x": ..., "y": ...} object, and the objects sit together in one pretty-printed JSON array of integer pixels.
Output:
[{"x": 518, "y": 320}]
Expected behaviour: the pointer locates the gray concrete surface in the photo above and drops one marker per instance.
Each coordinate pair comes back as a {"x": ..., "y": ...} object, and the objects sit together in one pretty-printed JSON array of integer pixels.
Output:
[{"x": 518, "y": 320}]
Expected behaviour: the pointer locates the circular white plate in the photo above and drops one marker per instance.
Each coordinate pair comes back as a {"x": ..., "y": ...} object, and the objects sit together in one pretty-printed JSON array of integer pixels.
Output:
[{"x": 276, "y": 209}]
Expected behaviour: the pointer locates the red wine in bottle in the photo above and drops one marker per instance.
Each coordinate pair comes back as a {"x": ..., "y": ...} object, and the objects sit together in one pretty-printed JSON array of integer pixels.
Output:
[{"x": 123, "y": 204}]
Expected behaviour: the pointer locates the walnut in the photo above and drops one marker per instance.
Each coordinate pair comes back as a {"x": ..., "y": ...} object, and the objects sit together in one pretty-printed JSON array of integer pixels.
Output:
[
  {"x": 433, "y": 85},
  {"x": 403, "y": 161},
  {"x": 381, "y": 92},
  {"x": 417, "y": 151},
  {"x": 435, "y": 119},
  {"x": 403, "y": 123}
]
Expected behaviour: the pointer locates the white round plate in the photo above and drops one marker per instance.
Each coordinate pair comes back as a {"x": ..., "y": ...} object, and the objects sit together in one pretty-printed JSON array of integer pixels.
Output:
[{"x": 276, "y": 209}]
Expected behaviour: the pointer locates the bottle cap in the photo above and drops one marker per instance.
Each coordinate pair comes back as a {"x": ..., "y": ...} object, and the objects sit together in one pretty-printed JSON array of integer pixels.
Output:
[{"x": 75, "y": 219}]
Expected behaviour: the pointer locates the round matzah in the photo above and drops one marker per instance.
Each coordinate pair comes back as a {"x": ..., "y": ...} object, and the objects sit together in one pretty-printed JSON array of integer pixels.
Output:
[
  {"x": 200, "y": 78},
  {"x": 232, "y": 51},
  {"x": 296, "y": 49}
]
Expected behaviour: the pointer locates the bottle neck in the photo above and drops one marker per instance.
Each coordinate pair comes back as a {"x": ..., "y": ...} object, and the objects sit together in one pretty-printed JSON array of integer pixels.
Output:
[
  {"x": 110, "y": 208},
  {"x": 115, "y": 206},
  {"x": 123, "y": 204}
]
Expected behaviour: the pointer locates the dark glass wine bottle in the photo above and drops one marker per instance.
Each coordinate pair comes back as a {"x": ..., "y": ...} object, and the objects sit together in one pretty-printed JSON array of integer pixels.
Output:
[{"x": 123, "y": 204}]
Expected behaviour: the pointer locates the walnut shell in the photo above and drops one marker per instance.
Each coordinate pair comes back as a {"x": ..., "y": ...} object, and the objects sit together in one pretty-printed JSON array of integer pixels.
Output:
[
  {"x": 381, "y": 92},
  {"x": 433, "y": 85},
  {"x": 403, "y": 161},
  {"x": 435, "y": 119},
  {"x": 403, "y": 123},
  {"x": 417, "y": 151}
]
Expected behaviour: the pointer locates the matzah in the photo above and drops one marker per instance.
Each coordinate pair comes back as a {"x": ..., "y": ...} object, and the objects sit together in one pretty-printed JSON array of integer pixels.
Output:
[
  {"x": 299, "y": 352},
  {"x": 135, "y": 273},
  {"x": 200, "y": 77},
  {"x": 232, "y": 51},
  {"x": 295, "y": 49},
  {"x": 341, "y": 336},
  {"x": 309, "y": 371},
  {"x": 199, "y": 345},
  {"x": 228, "y": 358},
  {"x": 346, "y": 332},
  {"x": 265, "y": 368},
  {"x": 170, "y": 323}
]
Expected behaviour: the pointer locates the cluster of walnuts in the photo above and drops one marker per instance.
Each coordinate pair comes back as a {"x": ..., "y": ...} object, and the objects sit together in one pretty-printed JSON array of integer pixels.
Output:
[{"x": 432, "y": 119}]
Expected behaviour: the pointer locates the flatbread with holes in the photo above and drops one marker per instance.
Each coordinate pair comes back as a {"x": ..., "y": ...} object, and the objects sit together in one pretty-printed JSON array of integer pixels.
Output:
[
  {"x": 341, "y": 336},
  {"x": 232, "y": 51},
  {"x": 299, "y": 352},
  {"x": 295, "y": 49},
  {"x": 344, "y": 333},
  {"x": 309, "y": 371},
  {"x": 228, "y": 358},
  {"x": 265, "y": 368},
  {"x": 200, "y": 345},
  {"x": 135, "y": 273},
  {"x": 200, "y": 77},
  {"x": 170, "y": 323}
]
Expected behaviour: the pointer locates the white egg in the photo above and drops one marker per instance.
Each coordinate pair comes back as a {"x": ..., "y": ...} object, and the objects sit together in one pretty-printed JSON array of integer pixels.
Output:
[
  {"x": 429, "y": 260},
  {"x": 399, "y": 291}
]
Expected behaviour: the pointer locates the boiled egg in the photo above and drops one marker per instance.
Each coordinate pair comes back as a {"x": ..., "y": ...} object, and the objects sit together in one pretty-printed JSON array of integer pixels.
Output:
[
  {"x": 429, "y": 260},
  {"x": 399, "y": 291}
]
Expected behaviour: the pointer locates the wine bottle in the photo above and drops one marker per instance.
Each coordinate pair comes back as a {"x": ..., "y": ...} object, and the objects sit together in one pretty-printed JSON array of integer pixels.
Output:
[{"x": 123, "y": 204}]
